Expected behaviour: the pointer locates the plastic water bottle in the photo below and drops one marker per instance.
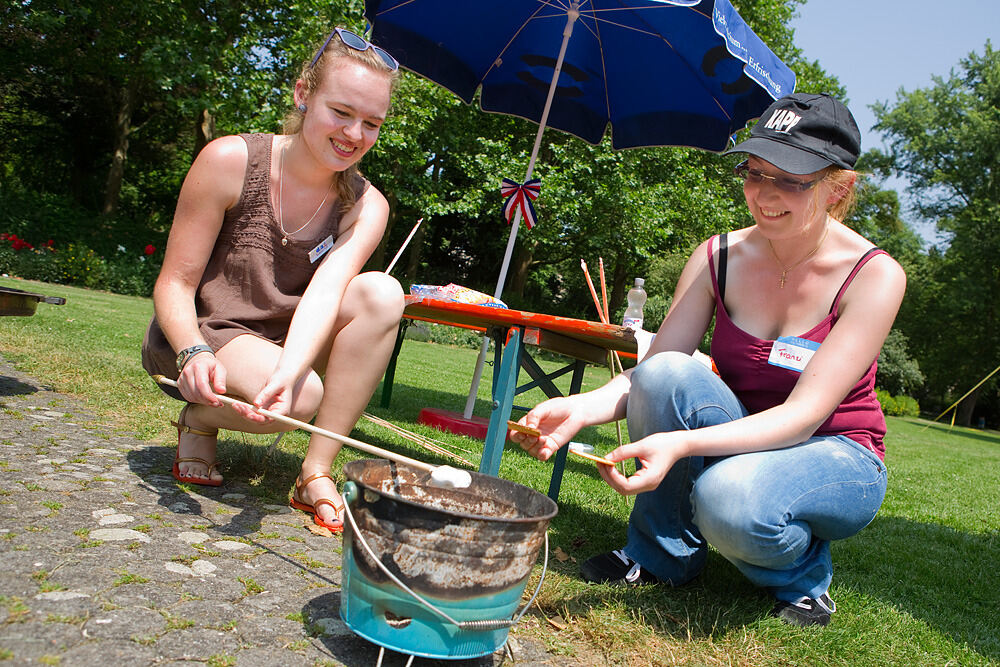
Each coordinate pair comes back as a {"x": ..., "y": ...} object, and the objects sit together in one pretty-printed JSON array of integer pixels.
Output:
[{"x": 636, "y": 299}]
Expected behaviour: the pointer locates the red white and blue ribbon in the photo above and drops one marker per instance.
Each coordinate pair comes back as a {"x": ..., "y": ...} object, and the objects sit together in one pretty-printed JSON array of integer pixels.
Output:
[{"x": 519, "y": 196}]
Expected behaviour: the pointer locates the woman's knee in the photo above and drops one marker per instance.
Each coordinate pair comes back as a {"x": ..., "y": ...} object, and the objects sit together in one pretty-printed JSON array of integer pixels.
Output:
[
  {"x": 380, "y": 289},
  {"x": 740, "y": 519},
  {"x": 376, "y": 298},
  {"x": 663, "y": 372},
  {"x": 671, "y": 391},
  {"x": 308, "y": 398}
]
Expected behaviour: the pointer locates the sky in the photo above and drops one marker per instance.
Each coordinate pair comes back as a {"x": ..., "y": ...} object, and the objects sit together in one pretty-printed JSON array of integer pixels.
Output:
[{"x": 876, "y": 47}]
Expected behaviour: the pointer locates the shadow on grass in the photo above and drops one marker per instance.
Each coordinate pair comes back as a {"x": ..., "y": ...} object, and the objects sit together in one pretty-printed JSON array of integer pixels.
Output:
[
  {"x": 939, "y": 575},
  {"x": 961, "y": 432},
  {"x": 718, "y": 600},
  {"x": 407, "y": 401},
  {"x": 942, "y": 577}
]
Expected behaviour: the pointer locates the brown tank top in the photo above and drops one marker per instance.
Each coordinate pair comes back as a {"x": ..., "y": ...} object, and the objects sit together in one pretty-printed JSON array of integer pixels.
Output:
[{"x": 252, "y": 284}]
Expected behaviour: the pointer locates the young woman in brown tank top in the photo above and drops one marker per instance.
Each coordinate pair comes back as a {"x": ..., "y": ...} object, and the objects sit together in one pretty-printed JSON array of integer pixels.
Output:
[{"x": 261, "y": 295}]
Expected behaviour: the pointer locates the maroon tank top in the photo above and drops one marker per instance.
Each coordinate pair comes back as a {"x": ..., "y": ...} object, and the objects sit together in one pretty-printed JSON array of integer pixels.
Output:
[{"x": 742, "y": 362}]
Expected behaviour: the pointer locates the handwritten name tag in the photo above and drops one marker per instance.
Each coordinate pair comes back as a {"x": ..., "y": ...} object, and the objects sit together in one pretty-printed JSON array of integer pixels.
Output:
[
  {"x": 321, "y": 249},
  {"x": 792, "y": 352}
]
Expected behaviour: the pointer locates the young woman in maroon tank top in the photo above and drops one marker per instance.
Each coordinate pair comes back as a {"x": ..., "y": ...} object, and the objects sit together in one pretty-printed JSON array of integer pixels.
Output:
[
  {"x": 712, "y": 469},
  {"x": 321, "y": 219}
]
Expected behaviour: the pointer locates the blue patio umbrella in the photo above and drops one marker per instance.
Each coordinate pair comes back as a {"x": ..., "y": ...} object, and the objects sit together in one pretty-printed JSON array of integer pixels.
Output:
[{"x": 658, "y": 72}]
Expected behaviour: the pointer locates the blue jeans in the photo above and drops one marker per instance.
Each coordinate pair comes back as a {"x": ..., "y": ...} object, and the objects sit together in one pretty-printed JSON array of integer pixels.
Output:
[{"x": 772, "y": 514}]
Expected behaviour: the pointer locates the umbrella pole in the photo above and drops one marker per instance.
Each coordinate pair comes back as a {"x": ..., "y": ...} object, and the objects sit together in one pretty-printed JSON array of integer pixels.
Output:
[{"x": 572, "y": 14}]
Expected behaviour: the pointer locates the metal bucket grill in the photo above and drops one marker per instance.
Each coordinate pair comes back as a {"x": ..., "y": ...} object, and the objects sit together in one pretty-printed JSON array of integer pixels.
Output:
[{"x": 465, "y": 554}]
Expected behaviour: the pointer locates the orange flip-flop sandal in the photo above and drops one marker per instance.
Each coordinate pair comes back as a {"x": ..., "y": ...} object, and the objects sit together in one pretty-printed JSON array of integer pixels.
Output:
[
  {"x": 311, "y": 509},
  {"x": 191, "y": 479}
]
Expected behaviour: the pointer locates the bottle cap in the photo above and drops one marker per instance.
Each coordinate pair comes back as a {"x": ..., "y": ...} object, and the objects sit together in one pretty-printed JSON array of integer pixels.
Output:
[{"x": 639, "y": 282}]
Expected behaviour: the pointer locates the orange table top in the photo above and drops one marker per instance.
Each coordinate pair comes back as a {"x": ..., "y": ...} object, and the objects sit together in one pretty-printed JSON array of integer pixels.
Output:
[{"x": 598, "y": 334}]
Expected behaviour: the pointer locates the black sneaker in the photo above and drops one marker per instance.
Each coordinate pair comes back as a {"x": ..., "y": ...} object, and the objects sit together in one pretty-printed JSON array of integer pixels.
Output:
[
  {"x": 617, "y": 569},
  {"x": 806, "y": 611}
]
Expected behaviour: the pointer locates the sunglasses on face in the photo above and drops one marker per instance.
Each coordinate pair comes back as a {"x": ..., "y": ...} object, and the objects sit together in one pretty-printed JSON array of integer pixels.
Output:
[
  {"x": 358, "y": 43},
  {"x": 749, "y": 175}
]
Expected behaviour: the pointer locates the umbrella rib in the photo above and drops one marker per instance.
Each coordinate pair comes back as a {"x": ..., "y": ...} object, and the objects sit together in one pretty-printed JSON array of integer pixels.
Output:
[
  {"x": 517, "y": 32},
  {"x": 653, "y": 33},
  {"x": 396, "y": 6},
  {"x": 596, "y": 30}
]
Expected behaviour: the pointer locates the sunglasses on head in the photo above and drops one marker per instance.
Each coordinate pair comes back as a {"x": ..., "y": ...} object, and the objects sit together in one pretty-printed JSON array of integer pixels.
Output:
[
  {"x": 748, "y": 174},
  {"x": 358, "y": 43}
]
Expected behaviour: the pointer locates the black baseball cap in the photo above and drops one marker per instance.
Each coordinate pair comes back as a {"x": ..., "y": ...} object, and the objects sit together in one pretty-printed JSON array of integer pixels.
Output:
[{"x": 803, "y": 133}]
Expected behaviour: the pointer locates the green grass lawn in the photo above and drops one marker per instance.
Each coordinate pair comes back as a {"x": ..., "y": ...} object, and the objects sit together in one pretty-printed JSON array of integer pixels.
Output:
[{"x": 917, "y": 587}]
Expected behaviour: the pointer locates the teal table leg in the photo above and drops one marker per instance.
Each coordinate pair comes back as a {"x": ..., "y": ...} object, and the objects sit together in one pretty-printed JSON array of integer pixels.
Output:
[
  {"x": 503, "y": 401},
  {"x": 560, "y": 463},
  {"x": 390, "y": 371}
]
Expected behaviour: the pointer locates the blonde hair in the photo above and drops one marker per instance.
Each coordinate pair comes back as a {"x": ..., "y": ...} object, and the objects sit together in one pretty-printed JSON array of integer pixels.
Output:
[
  {"x": 350, "y": 182},
  {"x": 843, "y": 181}
]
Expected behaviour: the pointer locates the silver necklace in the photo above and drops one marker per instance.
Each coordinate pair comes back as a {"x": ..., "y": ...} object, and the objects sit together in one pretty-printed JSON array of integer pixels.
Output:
[{"x": 281, "y": 226}]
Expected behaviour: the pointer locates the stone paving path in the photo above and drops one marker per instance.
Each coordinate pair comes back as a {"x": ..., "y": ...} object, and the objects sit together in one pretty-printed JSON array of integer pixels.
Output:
[{"x": 104, "y": 560}]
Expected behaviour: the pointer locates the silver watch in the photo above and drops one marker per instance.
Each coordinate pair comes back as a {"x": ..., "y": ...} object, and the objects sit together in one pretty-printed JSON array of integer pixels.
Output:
[{"x": 184, "y": 355}]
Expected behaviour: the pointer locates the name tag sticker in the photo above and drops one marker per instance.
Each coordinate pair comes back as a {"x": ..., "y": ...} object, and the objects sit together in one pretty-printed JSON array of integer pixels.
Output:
[
  {"x": 792, "y": 352},
  {"x": 321, "y": 249}
]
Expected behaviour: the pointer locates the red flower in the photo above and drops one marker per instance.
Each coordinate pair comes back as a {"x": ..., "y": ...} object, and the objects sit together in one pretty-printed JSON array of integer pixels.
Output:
[
  {"x": 19, "y": 244},
  {"x": 150, "y": 249}
]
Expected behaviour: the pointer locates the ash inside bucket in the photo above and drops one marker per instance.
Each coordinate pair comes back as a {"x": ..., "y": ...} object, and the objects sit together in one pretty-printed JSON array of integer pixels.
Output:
[{"x": 446, "y": 542}]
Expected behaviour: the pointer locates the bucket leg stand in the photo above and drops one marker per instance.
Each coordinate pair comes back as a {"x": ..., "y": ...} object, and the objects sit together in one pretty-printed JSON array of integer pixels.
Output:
[{"x": 381, "y": 654}]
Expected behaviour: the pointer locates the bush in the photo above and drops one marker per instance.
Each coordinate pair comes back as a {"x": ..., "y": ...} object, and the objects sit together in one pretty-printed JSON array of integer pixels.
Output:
[
  {"x": 131, "y": 272},
  {"x": 79, "y": 265},
  {"x": 19, "y": 258},
  {"x": 897, "y": 406},
  {"x": 449, "y": 335},
  {"x": 125, "y": 275}
]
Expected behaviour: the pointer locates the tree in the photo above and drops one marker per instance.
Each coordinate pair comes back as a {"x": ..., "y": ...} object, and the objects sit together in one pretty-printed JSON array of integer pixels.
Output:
[
  {"x": 898, "y": 373},
  {"x": 945, "y": 139},
  {"x": 132, "y": 92},
  {"x": 89, "y": 82}
]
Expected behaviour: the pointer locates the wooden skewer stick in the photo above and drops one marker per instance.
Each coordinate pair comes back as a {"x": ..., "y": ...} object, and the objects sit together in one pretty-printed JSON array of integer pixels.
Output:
[
  {"x": 616, "y": 362},
  {"x": 600, "y": 310},
  {"x": 514, "y": 426},
  {"x": 615, "y": 368},
  {"x": 604, "y": 290},
  {"x": 403, "y": 247},
  {"x": 351, "y": 442},
  {"x": 423, "y": 441},
  {"x": 595, "y": 459},
  {"x": 593, "y": 292}
]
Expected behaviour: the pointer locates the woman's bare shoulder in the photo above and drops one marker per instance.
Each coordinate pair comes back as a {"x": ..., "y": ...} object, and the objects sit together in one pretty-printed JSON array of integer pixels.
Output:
[
  {"x": 229, "y": 153},
  {"x": 219, "y": 170}
]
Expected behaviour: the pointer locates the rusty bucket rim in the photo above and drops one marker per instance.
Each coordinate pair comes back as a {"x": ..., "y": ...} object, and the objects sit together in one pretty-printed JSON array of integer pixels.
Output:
[{"x": 548, "y": 502}]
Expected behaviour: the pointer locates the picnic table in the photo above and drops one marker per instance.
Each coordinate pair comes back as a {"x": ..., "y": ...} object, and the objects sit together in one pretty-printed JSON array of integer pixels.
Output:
[
  {"x": 581, "y": 341},
  {"x": 18, "y": 302}
]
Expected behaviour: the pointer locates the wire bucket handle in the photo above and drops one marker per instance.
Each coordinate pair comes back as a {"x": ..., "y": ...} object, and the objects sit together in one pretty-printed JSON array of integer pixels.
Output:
[{"x": 351, "y": 492}]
